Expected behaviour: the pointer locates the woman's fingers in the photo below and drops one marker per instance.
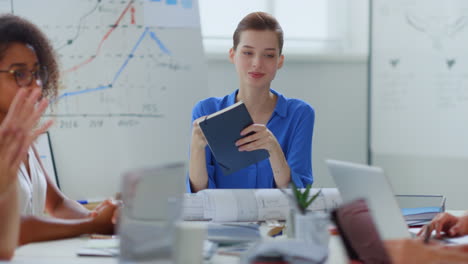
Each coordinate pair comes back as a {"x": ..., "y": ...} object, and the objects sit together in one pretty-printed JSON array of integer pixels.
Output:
[
  {"x": 44, "y": 127},
  {"x": 27, "y": 109},
  {"x": 442, "y": 223},
  {"x": 10, "y": 157},
  {"x": 253, "y": 128},
  {"x": 248, "y": 139},
  {"x": 423, "y": 230},
  {"x": 454, "y": 231},
  {"x": 105, "y": 204},
  {"x": 256, "y": 131},
  {"x": 260, "y": 143},
  {"x": 15, "y": 107},
  {"x": 15, "y": 151},
  {"x": 16, "y": 130},
  {"x": 100, "y": 206},
  {"x": 116, "y": 216},
  {"x": 34, "y": 114}
]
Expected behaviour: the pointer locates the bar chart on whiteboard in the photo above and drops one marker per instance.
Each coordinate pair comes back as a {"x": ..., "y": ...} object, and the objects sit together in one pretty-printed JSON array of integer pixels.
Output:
[{"x": 130, "y": 73}]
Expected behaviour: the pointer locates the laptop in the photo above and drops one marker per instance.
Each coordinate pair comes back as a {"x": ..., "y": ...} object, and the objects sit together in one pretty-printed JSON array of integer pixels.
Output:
[
  {"x": 152, "y": 204},
  {"x": 357, "y": 181},
  {"x": 359, "y": 233}
]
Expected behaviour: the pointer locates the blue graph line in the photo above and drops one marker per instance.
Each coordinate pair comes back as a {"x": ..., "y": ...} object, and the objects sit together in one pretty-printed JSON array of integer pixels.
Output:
[
  {"x": 160, "y": 44},
  {"x": 130, "y": 56},
  {"x": 124, "y": 65},
  {"x": 171, "y": 2},
  {"x": 85, "y": 91}
]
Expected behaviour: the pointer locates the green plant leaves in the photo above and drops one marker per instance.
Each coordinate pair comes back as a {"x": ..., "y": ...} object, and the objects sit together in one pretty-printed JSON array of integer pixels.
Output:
[
  {"x": 302, "y": 197},
  {"x": 312, "y": 198}
]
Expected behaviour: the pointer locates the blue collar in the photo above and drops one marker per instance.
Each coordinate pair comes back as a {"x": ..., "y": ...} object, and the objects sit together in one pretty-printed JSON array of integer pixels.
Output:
[{"x": 281, "y": 108}]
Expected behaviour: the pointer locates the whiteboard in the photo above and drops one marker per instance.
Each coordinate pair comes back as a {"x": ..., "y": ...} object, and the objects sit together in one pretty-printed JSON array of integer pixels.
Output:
[
  {"x": 129, "y": 85},
  {"x": 419, "y": 77},
  {"x": 44, "y": 149},
  {"x": 419, "y": 96}
]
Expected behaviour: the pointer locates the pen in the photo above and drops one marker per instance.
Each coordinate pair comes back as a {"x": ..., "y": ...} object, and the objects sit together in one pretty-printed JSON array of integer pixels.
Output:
[
  {"x": 427, "y": 233},
  {"x": 89, "y": 201}
]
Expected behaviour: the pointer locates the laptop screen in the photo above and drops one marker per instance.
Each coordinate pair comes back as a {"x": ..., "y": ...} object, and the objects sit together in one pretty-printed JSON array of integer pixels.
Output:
[
  {"x": 152, "y": 205},
  {"x": 356, "y": 181},
  {"x": 359, "y": 234}
]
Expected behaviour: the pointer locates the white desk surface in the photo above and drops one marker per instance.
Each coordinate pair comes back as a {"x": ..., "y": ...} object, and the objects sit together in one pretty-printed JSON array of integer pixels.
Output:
[
  {"x": 64, "y": 251},
  {"x": 58, "y": 251}
]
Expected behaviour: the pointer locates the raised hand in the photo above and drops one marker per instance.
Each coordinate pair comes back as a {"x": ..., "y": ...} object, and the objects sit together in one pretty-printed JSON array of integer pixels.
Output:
[
  {"x": 198, "y": 138},
  {"x": 18, "y": 131}
]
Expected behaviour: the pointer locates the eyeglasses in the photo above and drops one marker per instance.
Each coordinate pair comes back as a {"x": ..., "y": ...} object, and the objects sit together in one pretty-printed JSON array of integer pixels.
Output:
[{"x": 25, "y": 77}]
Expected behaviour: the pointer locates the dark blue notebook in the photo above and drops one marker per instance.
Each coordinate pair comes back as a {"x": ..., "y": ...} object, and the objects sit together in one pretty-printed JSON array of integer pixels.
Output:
[{"x": 222, "y": 130}]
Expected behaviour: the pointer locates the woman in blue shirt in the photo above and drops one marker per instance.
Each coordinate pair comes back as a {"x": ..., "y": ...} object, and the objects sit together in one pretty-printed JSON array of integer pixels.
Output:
[{"x": 282, "y": 126}]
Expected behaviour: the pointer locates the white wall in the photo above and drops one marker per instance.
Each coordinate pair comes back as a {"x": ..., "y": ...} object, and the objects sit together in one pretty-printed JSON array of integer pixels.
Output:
[{"x": 337, "y": 89}]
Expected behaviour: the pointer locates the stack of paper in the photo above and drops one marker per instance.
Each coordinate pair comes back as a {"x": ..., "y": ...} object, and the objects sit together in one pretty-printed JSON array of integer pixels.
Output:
[
  {"x": 420, "y": 213},
  {"x": 100, "y": 248},
  {"x": 250, "y": 205},
  {"x": 233, "y": 233},
  {"x": 420, "y": 209}
]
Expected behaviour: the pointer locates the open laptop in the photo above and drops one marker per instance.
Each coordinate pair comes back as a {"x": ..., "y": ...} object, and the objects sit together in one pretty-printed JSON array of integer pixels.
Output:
[
  {"x": 152, "y": 201},
  {"x": 359, "y": 233},
  {"x": 357, "y": 181}
]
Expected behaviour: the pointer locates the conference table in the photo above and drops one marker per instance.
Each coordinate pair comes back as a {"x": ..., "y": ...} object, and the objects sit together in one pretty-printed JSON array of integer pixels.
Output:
[{"x": 65, "y": 251}]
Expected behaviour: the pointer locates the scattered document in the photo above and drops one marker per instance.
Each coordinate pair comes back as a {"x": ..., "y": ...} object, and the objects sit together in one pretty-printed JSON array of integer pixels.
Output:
[
  {"x": 100, "y": 248},
  {"x": 193, "y": 209},
  {"x": 328, "y": 200},
  {"x": 233, "y": 232},
  {"x": 458, "y": 240},
  {"x": 250, "y": 205}
]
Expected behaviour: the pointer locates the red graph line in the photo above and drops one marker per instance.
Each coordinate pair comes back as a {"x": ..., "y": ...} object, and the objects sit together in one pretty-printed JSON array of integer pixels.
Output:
[
  {"x": 106, "y": 36},
  {"x": 133, "y": 15}
]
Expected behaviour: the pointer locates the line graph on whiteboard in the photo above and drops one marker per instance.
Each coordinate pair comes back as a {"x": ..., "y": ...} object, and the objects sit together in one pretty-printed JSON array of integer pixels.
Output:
[
  {"x": 111, "y": 61},
  {"x": 131, "y": 71}
]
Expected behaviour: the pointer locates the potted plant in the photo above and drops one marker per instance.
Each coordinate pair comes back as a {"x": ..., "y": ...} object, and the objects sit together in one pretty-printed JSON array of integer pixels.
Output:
[
  {"x": 307, "y": 225},
  {"x": 301, "y": 198}
]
